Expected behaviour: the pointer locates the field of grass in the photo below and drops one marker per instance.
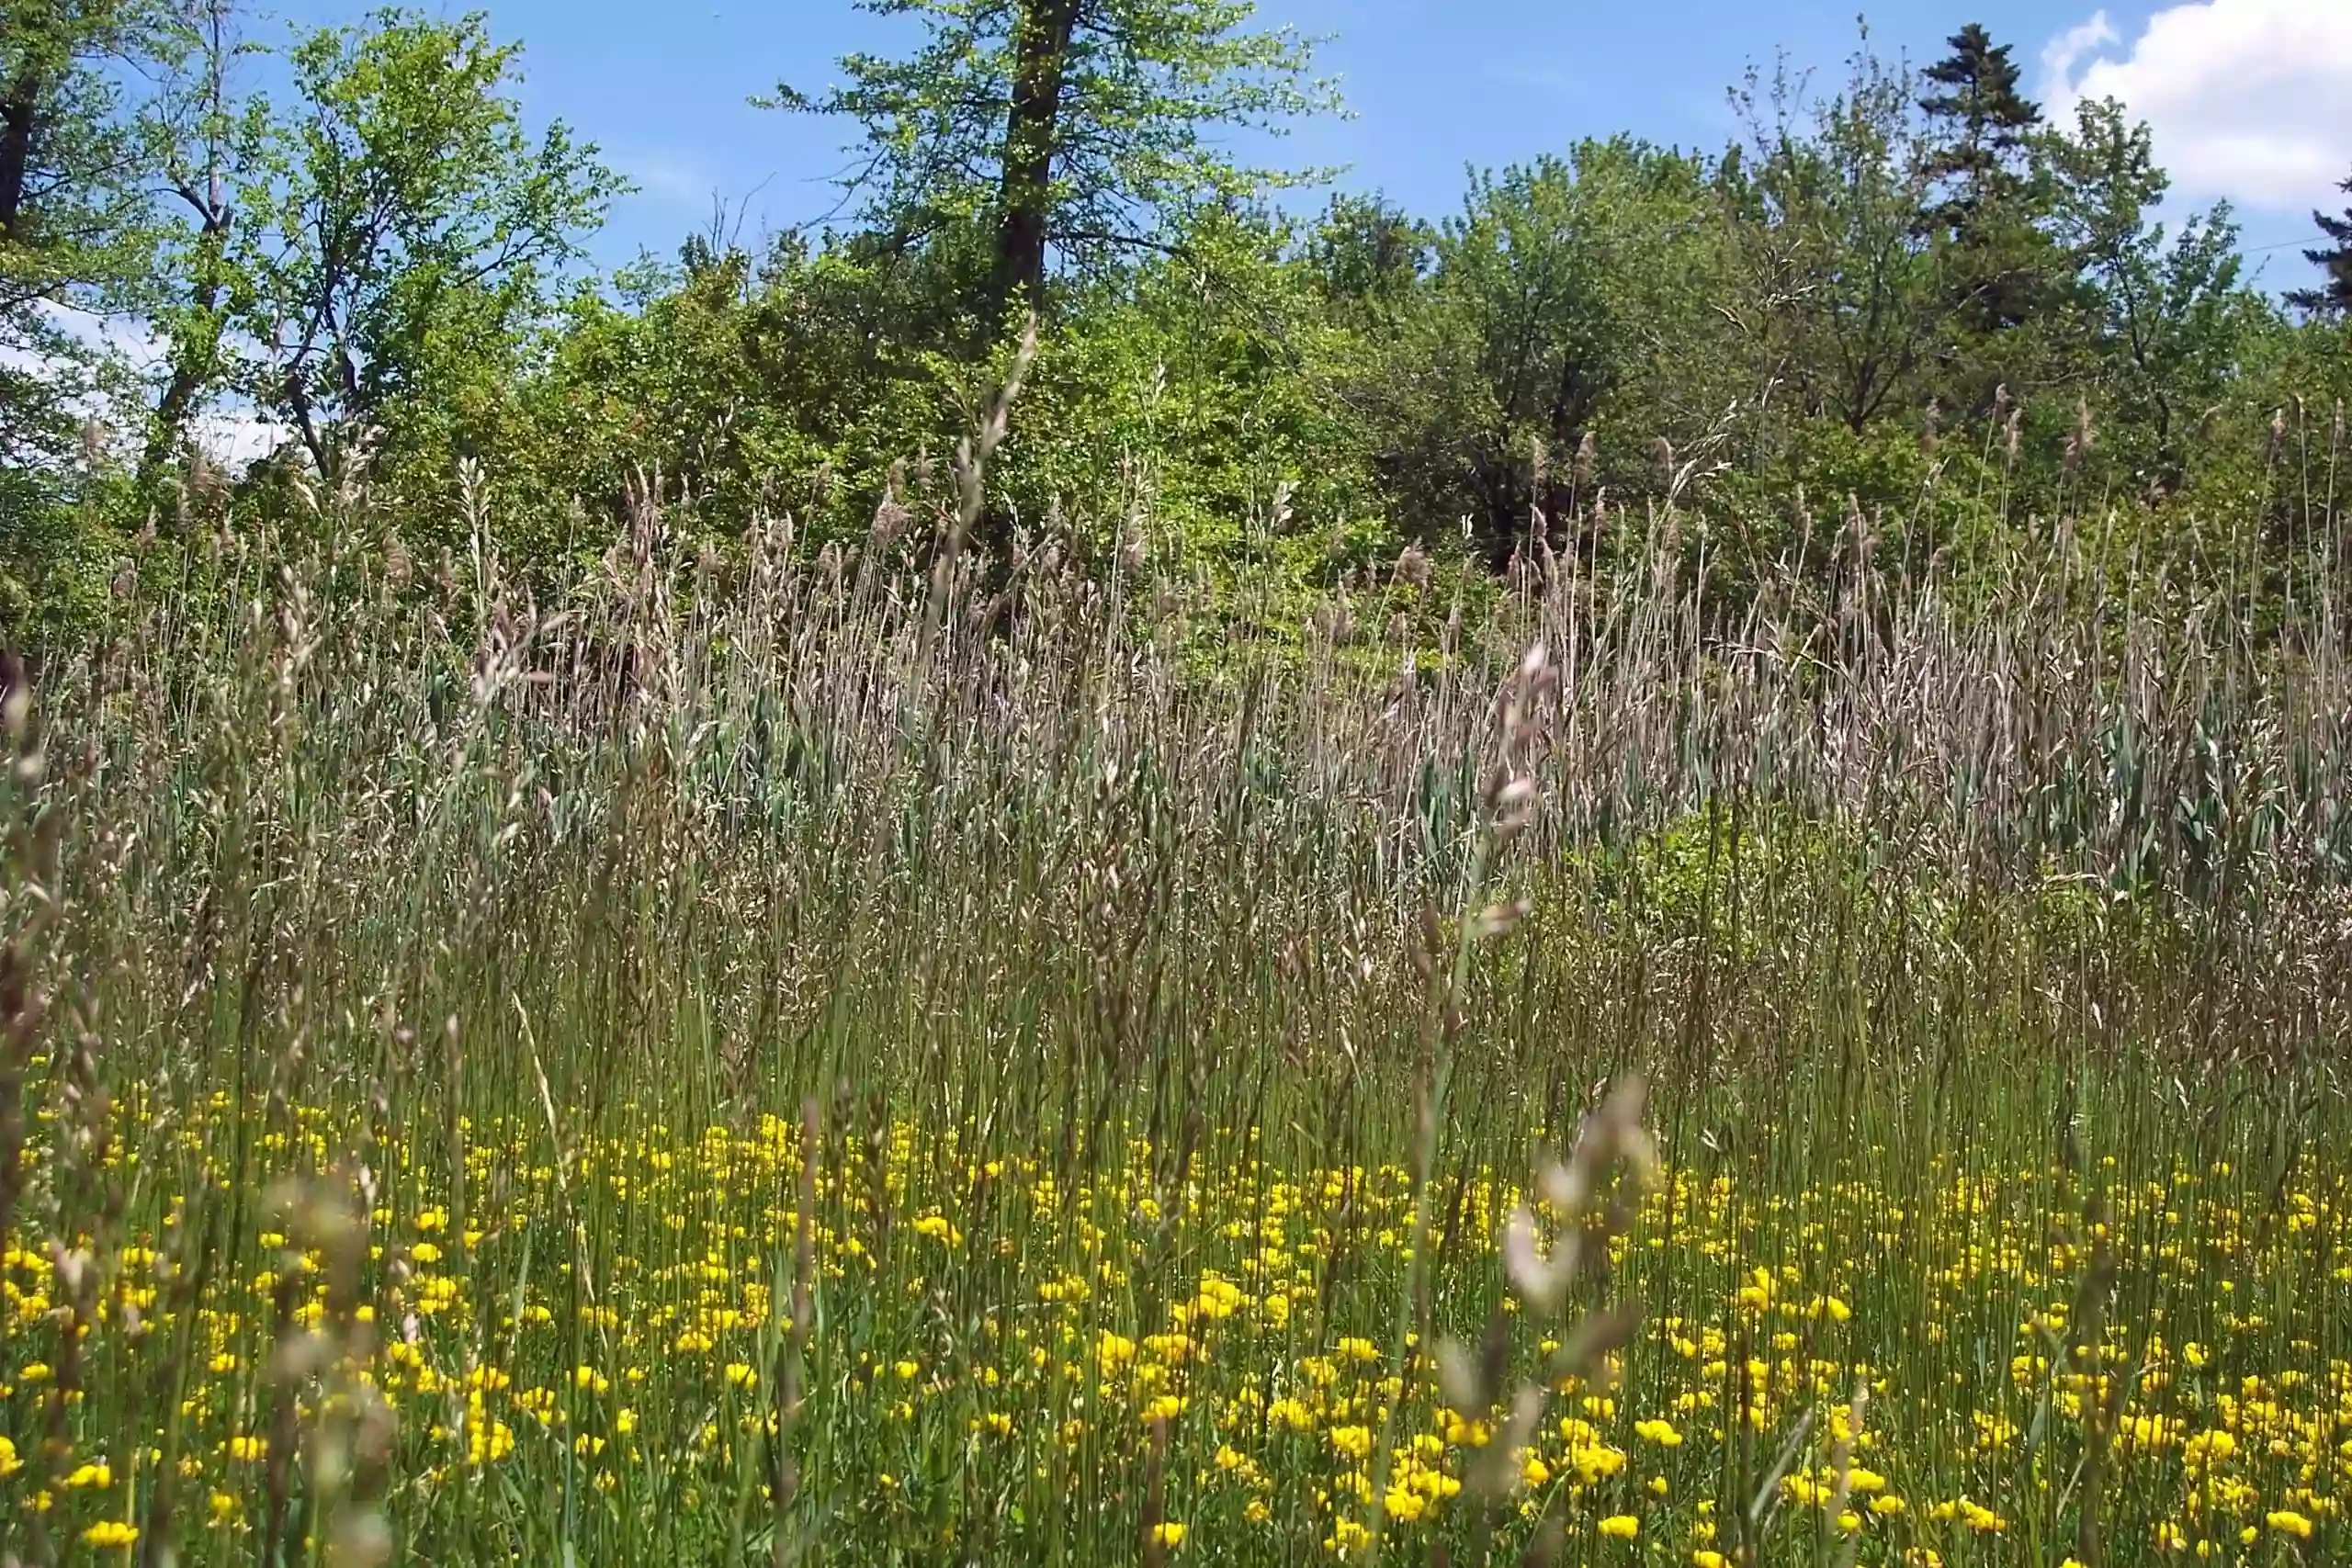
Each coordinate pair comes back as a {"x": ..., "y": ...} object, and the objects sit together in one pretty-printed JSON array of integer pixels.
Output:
[{"x": 810, "y": 1058}]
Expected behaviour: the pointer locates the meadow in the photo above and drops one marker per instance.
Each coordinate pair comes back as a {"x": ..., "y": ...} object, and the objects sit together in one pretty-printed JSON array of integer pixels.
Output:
[{"x": 885, "y": 1055}]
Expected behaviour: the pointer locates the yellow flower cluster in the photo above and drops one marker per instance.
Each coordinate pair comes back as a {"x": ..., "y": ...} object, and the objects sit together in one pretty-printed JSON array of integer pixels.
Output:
[{"x": 1916, "y": 1364}]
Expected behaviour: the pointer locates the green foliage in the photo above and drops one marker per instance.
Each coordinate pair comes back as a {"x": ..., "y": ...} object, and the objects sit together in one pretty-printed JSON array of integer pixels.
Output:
[
  {"x": 208, "y": 144},
  {"x": 2333, "y": 297},
  {"x": 1568, "y": 293},
  {"x": 1841, "y": 300},
  {"x": 1907, "y": 313},
  {"x": 1989, "y": 215},
  {"x": 76, "y": 252},
  {"x": 1974, "y": 93},
  {"x": 1178, "y": 410},
  {"x": 734, "y": 386},
  {"x": 74, "y": 230},
  {"x": 1368, "y": 256},
  {"x": 2164, "y": 327},
  {"x": 1186, "y": 411},
  {"x": 1084, "y": 130},
  {"x": 399, "y": 239}
]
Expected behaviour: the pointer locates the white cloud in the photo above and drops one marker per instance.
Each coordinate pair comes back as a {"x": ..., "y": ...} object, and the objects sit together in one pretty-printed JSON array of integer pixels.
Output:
[
  {"x": 674, "y": 181},
  {"x": 238, "y": 437},
  {"x": 234, "y": 433},
  {"x": 2248, "y": 99},
  {"x": 2062, "y": 54}
]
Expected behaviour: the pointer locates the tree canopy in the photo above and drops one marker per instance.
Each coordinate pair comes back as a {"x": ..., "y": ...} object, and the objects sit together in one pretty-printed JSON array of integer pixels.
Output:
[
  {"x": 2332, "y": 296},
  {"x": 1076, "y": 131},
  {"x": 1900, "y": 291}
]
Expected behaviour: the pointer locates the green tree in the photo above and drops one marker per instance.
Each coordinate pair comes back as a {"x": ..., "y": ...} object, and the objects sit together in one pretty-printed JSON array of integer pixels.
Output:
[
  {"x": 2000, "y": 268},
  {"x": 1194, "y": 403},
  {"x": 2334, "y": 295},
  {"x": 77, "y": 262},
  {"x": 1985, "y": 122},
  {"x": 206, "y": 142},
  {"x": 1571, "y": 297},
  {"x": 748, "y": 381},
  {"x": 400, "y": 235},
  {"x": 2164, "y": 322},
  {"x": 1077, "y": 130},
  {"x": 1367, "y": 252},
  {"x": 74, "y": 230},
  {"x": 1843, "y": 299}
]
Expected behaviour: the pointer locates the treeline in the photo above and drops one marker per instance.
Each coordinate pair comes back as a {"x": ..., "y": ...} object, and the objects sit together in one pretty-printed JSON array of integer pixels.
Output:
[{"x": 1907, "y": 303}]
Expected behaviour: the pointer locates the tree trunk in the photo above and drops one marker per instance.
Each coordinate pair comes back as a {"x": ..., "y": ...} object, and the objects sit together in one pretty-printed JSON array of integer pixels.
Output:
[
  {"x": 1032, "y": 138},
  {"x": 18, "y": 117},
  {"x": 196, "y": 351},
  {"x": 305, "y": 424}
]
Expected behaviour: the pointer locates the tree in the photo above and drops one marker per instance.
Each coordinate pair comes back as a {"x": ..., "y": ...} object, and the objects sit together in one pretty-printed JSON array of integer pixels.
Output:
[
  {"x": 399, "y": 230},
  {"x": 1987, "y": 122},
  {"x": 72, "y": 215},
  {"x": 1843, "y": 298},
  {"x": 1986, "y": 214},
  {"x": 1569, "y": 294},
  {"x": 77, "y": 256},
  {"x": 1368, "y": 252},
  {"x": 206, "y": 143},
  {"x": 2166, "y": 323},
  {"x": 1077, "y": 130},
  {"x": 2334, "y": 296},
  {"x": 739, "y": 377}
]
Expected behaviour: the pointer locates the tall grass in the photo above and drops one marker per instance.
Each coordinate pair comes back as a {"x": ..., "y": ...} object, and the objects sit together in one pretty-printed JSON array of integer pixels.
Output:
[{"x": 840, "y": 1007}]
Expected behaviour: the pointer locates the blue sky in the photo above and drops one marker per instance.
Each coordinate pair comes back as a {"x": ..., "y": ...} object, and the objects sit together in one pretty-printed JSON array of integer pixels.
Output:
[{"x": 2251, "y": 93}]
